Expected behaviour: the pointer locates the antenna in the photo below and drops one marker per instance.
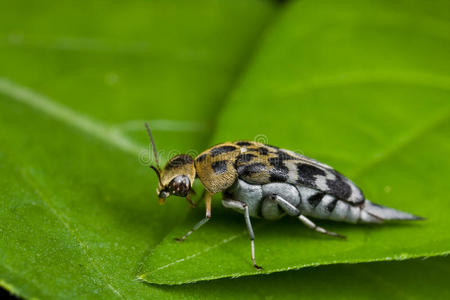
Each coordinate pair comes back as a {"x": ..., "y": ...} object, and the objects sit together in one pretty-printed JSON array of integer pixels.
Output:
[{"x": 155, "y": 153}]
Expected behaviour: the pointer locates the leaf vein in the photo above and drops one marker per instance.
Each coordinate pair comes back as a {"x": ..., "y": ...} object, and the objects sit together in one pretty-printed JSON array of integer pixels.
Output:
[
  {"x": 405, "y": 141},
  {"x": 224, "y": 241},
  {"x": 65, "y": 114}
]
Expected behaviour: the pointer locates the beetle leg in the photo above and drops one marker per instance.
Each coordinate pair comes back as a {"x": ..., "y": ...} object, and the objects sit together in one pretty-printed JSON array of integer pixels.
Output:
[
  {"x": 189, "y": 198},
  {"x": 208, "y": 197},
  {"x": 244, "y": 207},
  {"x": 252, "y": 235},
  {"x": 294, "y": 211}
]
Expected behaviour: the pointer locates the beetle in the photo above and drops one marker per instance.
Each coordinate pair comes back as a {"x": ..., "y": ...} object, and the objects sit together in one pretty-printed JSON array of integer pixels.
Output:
[{"x": 268, "y": 182}]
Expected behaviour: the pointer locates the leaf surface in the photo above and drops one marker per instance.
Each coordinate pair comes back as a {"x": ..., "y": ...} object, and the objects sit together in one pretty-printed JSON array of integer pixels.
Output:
[{"x": 78, "y": 214}]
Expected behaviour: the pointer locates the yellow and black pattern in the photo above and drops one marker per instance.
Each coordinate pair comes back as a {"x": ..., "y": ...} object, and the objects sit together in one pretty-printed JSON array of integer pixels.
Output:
[
  {"x": 256, "y": 163},
  {"x": 181, "y": 164},
  {"x": 215, "y": 167}
]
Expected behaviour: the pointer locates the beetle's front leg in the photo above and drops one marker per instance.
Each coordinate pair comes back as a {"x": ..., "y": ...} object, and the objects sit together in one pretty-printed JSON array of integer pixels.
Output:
[{"x": 208, "y": 197}]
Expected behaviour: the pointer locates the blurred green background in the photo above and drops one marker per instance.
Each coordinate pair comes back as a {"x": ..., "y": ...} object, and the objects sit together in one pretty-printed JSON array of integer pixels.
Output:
[{"x": 361, "y": 85}]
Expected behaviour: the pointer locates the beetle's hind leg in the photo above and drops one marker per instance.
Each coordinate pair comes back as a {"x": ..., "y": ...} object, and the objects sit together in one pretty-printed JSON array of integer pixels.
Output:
[
  {"x": 294, "y": 211},
  {"x": 244, "y": 207}
]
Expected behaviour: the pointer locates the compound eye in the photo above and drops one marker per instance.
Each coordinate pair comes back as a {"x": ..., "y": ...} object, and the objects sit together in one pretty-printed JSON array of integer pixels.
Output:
[{"x": 179, "y": 186}]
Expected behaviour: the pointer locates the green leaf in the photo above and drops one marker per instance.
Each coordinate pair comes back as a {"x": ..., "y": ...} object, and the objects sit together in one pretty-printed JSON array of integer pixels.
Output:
[
  {"x": 78, "y": 213},
  {"x": 78, "y": 209},
  {"x": 412, "y": 279},
  {"x": 362, "y": 86}
]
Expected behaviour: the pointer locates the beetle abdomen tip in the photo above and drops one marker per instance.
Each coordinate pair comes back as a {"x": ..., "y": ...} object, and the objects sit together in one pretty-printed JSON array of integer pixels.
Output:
[{"x": 388, "y": 214}]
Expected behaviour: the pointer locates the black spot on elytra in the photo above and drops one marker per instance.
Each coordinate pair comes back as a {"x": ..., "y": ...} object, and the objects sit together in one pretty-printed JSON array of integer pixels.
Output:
[
  {"x": 219, "y": 167},
  {"x": 274, "y": 161},
  {"x": 246, "y": 157},
  {"x": 339, "y": 188},
  {"x": 179, "y": 160},
  {"x": 263, "y": 150},
  {"x": 248, "y": 170},
  {"x": 222, "y": 149},
  {"x": 306, "y": 173},
  {"x": 314, "y": 200},
  {"x": 332, "y": 205},
  {"x": 279, "y": 174},
  {"x": 281, "y": 157},
  {"x": 285, "y": 156},
  {"x": 243, "y": 143},
  {"x": 202, "y": 157}
]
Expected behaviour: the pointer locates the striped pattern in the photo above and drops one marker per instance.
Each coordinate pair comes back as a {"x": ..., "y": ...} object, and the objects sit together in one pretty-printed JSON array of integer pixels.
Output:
[
  {"x": 309, "y": 202},
  {"x": 324, "y": 206}
]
